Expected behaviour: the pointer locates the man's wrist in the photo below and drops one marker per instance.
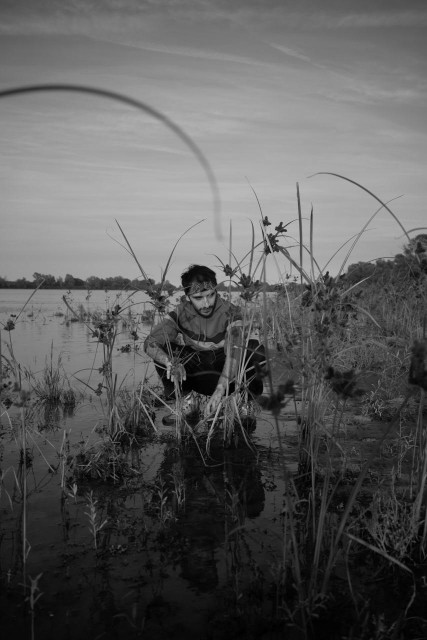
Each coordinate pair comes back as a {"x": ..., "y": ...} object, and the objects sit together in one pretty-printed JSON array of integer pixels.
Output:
[{"x": 162, "y": 358}]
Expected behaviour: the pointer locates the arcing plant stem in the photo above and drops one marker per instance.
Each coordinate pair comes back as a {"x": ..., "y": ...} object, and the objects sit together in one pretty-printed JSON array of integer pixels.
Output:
[{"x": 145, "y": 108}]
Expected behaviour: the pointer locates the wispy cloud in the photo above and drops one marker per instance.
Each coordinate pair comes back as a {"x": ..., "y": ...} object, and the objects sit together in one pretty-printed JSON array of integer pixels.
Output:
[
  {"x": 380, "y": 19},
  {"x": 22, "y": 15},
  {"x": 362, "y": 92},
  {"x": 293, "y": 53},
  {"x": 188, "y": 52}
]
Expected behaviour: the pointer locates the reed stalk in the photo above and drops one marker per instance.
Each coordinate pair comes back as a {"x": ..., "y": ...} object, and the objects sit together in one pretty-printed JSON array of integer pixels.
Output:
[{"x": 25, "y": 546}]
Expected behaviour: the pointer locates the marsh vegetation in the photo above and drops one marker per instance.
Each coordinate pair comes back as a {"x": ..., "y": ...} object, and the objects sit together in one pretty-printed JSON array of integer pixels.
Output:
[{"x": 313, "y": 524}]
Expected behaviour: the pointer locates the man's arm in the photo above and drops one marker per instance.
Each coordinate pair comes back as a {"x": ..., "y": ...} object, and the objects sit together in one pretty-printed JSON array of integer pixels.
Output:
[
  {"x": 162, "y": 334},
  {"x": 156, "y": 351},
  {"x": 155, "y": 346},
  {"x": 174, "y": 370},
  {"x": 233, "y": 358}
]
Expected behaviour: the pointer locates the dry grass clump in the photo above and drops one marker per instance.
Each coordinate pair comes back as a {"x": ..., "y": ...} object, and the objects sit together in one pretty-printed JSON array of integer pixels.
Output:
[
  {"x": 136, "y": 411},
  {"x": 51, "y": 393},
  {"x": 52, "y": 386},
  {"x": 103, "y": 462}
]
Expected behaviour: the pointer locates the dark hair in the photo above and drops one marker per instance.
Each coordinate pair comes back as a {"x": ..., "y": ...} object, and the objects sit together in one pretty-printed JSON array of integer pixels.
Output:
[{"x": 197, "y": 273}]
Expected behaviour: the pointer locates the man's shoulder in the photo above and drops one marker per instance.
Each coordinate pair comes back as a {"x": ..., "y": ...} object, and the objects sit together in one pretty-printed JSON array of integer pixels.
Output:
[{"x": 183, "y": 309}]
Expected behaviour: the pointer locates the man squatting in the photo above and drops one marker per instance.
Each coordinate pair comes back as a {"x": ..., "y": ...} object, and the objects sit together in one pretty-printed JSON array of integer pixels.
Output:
[{"x": 204, "y": 334}]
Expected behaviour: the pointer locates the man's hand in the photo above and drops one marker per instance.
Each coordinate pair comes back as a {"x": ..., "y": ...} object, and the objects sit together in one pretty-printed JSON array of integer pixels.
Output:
[
  {"x": 214, "y": 401},
  {"x": 175, "y": 371}
]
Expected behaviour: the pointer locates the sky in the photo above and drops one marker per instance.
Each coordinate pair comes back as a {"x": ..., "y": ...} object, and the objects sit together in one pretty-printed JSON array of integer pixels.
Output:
[{"x": 272, "y": 93}]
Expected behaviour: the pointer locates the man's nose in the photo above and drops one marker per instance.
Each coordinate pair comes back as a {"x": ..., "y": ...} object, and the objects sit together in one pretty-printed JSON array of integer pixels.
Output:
[{"x": 206, "y": 303}]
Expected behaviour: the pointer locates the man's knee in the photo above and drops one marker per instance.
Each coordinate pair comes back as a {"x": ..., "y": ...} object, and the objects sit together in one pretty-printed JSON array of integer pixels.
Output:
[
  {"x": 254, "y": 363},
  {"x": 255, "y": 352}
]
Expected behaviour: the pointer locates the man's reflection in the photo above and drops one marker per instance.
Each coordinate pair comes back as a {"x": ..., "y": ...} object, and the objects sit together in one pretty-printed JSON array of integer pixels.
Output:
[{"x": 210, "y": 499}]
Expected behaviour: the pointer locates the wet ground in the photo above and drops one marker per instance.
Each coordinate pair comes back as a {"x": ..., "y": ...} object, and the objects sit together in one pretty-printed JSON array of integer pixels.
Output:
[
  {"x": 178, "y": 546},
  {"x": 153, "y": 554},
  {"x": 157, "y": 538}
]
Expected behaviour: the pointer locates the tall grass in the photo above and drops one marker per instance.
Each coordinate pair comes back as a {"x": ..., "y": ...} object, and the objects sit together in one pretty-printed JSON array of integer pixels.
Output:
[{"x": 332, "y": 338}]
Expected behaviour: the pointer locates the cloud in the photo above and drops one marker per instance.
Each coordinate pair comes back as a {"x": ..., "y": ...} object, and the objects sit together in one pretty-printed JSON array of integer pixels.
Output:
[
  {"x": 356, "y": 91},
  {"x": 45, "y": 15},
  {"x": 189, "y": 52},
  {"x": 379, "y": 19},
  {"x": 290, "y": 52}
]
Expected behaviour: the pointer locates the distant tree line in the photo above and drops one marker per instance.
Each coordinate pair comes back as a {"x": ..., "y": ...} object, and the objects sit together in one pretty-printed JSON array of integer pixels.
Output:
[
  {"x": 71, "y": 282},
  {"x": 95, "y": 283},
  {"x": 405, "y": 268}
]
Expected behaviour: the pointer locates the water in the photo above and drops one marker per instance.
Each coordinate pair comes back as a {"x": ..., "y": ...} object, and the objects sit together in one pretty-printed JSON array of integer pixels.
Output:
[
  {"x": 45, "y": 328},
  {"x": 160, "y": 562}
]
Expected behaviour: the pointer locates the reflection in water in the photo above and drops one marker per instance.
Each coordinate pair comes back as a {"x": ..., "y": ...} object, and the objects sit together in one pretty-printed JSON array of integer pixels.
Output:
[
  {"x": 218, "y": 498},
  {"x": 48, "y": 416},
  {"x": 155, "y": 568}
]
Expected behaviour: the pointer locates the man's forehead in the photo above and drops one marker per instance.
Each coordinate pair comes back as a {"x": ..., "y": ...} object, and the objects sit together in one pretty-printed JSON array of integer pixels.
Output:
[
  {"x": 202, "y": 294},
  {"x": 201, "y": 288}
]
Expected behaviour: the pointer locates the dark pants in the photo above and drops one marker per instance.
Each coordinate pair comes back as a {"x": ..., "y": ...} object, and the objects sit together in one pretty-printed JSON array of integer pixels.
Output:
[{"x": 203, "y": 369}]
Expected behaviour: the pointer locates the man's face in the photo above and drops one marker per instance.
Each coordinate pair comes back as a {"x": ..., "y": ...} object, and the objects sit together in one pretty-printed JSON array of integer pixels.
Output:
[{"x": 204, "y": 302}]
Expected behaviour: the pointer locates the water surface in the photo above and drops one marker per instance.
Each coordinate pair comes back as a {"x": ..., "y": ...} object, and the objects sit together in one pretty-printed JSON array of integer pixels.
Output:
[{"x": 161, "y": 564}]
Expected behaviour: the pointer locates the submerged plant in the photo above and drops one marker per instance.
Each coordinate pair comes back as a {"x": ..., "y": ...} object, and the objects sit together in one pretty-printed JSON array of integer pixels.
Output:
[
  {"x": 179, "y": 484},
  {"x": 32, "y": 598},
  {"x": 162, "y": 494},
  {"x": 96, "y": 524}
]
